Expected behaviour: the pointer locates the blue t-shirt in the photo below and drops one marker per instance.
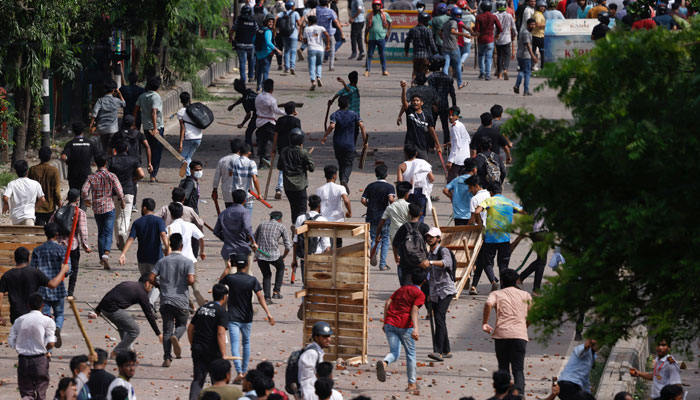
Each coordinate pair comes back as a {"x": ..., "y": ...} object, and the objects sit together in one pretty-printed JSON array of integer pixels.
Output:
[
  {"x": 294, "y": 16},
  {"x": 377, "y": 195},
  {"x": 147, "y": 230},
  {"x": 344, "y": 133},
  {"x": 461, "y": 197}
]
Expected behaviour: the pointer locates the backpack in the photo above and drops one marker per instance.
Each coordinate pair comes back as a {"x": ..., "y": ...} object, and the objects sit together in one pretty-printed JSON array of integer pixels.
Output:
[
  {"x": 313, "y": 241},
  {"x": 452, "y": 271},
  {"x": 291, "y": 375},
  {"x": 130, "y": 137},
  {"x": 493, "y": 171},
  {"x": 64, "y": 219},
  {"x": 201, "y": 115},
  {"x": 260, "y": 39},
  {"x": 413, "y": 250},
  {"x": 190, "y": 200},
  {"x": 286, "y": 24}
]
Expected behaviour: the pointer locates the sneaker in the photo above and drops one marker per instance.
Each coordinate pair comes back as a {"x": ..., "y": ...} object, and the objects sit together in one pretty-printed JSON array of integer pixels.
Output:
[
  {"x": 331, "y": 69},
  {"x": 494, "y": 286},
  {"x": 286, "y": 71},
  {"x": 488, "y": 78},
  {"x": 578, "y": 337},
  {"x": 463, "y": 85},
  {"x": 313, "y": 86},
  {"x": 361, "y": 56},
  {"x": 481, "y": 76},
  {"x": 505, "y": 75},
  {"x": 319, "y": 82},
  {"x": 473, "y": 291},
  {"x": 279, "y": 67},
  {"x": 278, "y": 194},
  {"x": 268, "y": 300},
  {"x": 264, "y": 162},
  {"x": 366, "y": 73},
  {"x": 166, "y": 363},
  {"x": 385, "y": 73},
  {"x": 381, "y": 371},
  {"x": 436, "y": 357},
  {"x": 300, "y": 55},
  {"x": 527, "y": 94},
  {"x": 292, "y": 72},
  {"x": 516, "y": 89},
  {"x": 59, "y": 342},
  {"x": 448, "y": 355},
  {"x": 105, "y": 262},
  {"x": 352, "y": 56},
  {"x": 239, "y": 379},
  {"x": 276, "y": 295},
  {"x": 177, "y": 350}
]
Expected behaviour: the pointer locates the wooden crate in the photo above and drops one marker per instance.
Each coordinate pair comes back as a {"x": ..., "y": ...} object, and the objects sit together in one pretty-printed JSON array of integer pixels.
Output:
[
  {"x": 12, "y": 237},
  {"x": 465, "y": 242},
  {"x": 336, "y": 288}
]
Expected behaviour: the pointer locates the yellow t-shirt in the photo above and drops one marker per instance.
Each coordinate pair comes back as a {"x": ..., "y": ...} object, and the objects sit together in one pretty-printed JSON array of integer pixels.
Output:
[
  {"x": 593, "y": 12},
  {"x": 539, "y": 20}
]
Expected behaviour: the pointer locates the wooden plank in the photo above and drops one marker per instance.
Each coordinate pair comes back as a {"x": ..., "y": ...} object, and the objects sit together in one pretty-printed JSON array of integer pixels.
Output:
[
  {"x": 5, "y": 245},
  {"x": 339, "y": 332},
  {"x": 328, "y": 232},
  {"x": 301, "y": 229},
  {"x": 331, "y": 300},
  {"x": 330, "y": 316},
  {"x": 333, "y": 307},
  {"x": 23, "y": 229},
  {"x": 331, "y": 225},
  {"x": 314, "y": 284},
  {"x": 359, "y": 230},
  {"x": 354, "y": 250},
  {"x": 357, "y": 295},
  {"x": 300, "y": 293},
  {"x": 168, "y": 147},
  {"x": 312, "y": 319}
]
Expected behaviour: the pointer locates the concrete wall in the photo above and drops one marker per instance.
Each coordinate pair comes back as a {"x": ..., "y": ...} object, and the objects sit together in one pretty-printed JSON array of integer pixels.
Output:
[{"x": 626, "y": 354}]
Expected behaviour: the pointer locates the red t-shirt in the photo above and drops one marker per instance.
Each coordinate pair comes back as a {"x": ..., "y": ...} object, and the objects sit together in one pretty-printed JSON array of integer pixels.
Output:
[
  {"x": 561, "y": 6},
  {"x": 402, "y": 301},
  {"x": 485, "y": 23},
  {"x": 647, "y": 24}
]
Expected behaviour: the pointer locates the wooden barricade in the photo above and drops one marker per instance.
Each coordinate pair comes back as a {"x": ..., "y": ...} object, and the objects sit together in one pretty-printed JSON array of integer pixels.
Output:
[
  {"x": 465, "y": 242},
  {"x": 12, "y": 237},
  {"x": 336, "y": 287}
]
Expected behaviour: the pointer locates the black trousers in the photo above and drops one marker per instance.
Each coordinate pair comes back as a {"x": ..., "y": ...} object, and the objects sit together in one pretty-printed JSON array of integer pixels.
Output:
[
  {"x": 503, "y": 52},
  {"x": 42, "y": 218},
  {"x": 75, "y": 267},
  {"x": 484, "y": 260},
  {"x": 460, "y": 221},
  {"x": 228, "y": 204},
  {"x": 297, "y": 202},
  {"x": 441, "y": 341},
  {"x": 264, "y": 135},
  {"x": 249, "y": 133},
  {"x": 510, "y": 354},
  {"x": 279, "y": 42},
  {"x": 537, "y": 267},
  {"x": 356, "y": 37},
  {"x": 345, "y": 159},
  {"x": 267, "y": 275},
  {"x": 444, "y": 120},
  {"x": 201, "y": 368},
  {"x": 568, "y": 390},
  {"x": 538, "y": 43}
]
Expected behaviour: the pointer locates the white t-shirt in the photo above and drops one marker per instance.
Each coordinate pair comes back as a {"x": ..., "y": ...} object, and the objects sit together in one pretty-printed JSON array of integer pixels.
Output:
[
  {"x": 324, "y": 243},
  {"x": 459, "y": 139},
  {"x": 188, "y": 231},
  {"x": 417, "y": 173},
  {"x": 119, "y": 381},
  {"x": 23, "y": 194},
  {"x": 314, "y": 37},
  {"x": 191, "y": 131},
  {"x": 480, "y": 196},
  {"x": 332, "y": 201}
]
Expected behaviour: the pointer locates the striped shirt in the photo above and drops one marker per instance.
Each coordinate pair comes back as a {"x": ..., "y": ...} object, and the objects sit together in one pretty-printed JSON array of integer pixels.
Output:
[{"x": 242, "y": 171}]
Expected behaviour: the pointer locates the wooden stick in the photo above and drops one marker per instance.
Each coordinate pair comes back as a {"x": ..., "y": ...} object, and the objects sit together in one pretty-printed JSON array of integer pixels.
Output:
[
  {"x": 224, "y": 123},
  {"x": 325, "y": 120},
  {"x": 269, "y": 175},
  {"x": 103, "y": 317},
  {"x": 260, "y": 199},
  {"x": 232, "y": 358},
  {"x": 435, "y": 217},
  {"x": 92, "y": 355},
  {"x": 168, "y": 147},
  {"x": 363, "y": 157},
  {"x": 210, "y": 228},
  {"x": 216, "y": 204},
  {"x": 312, "y": 150}
]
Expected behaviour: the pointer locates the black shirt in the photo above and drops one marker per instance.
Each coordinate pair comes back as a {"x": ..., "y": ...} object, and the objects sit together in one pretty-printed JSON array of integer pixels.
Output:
[
  {"x": 284, "y": 125},
  {"x": 20, "y": 283},
  {"x": 497, "y": 140},
  {"x": 125, "y": 295},
  {"x": 99, "y": 382},
  {"x": 400, "y": 237},
  {"x": 599, "y": 31},
  {"x": 79, "y": 156},
  {"x": 240, "y": 296},
  {"x": 131, "y": 93},
  {"x": 206, "y": 322},
  {"x": 133, "y": 139},
  {"x": 377, "y": 195},
  {"x": 124, "y": 167},
  {"x": 417, "y": 128}
]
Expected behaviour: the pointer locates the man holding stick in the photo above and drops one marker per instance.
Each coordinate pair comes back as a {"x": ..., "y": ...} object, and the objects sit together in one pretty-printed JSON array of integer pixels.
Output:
[{"x": 234, "y": 229}]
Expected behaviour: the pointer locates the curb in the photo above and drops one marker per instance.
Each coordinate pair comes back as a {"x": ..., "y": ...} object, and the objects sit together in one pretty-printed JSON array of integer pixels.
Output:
[{"x": 626, "y": 354}]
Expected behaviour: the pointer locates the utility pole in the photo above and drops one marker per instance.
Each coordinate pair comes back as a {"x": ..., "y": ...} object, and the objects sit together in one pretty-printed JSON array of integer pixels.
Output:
[{"x": 45, "y": 107}]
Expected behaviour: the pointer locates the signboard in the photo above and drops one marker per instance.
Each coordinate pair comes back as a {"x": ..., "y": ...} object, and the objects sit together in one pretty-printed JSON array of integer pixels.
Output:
[
  {"x": 566, "y": 38},
  {"x": 402, "y": 22}
]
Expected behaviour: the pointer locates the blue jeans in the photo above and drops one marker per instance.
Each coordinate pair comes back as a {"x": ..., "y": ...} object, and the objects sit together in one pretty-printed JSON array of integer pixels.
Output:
[
  {"x": 262, "y": 70},
  {"x": 240, "y": 331},
  {"x": 57, "y": 306},
  {"x": 383, "y": 244},
  {"x": 189, "y": 146},
  {"x": 290, "y": 52},
  {"x": 280, "y": 181},
  {"x": 485, "y": 59},
  {"x": 525, "y": 65},
  {"x": 315, "y": 64},
  {"x": 243, "y": 57},
  {"x": 105, "y": 226},
  {"x": 249, "y": 207},
  {"x": 401, "y": 336},
  {"x": 465, "y": 50},
  {"x": 453, "y": 59},
  {"x": 379, "y": 45}
]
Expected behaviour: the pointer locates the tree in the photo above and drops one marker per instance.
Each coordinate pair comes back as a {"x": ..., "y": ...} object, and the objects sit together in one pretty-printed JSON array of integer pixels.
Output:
[{"x": 617, "y": 186}]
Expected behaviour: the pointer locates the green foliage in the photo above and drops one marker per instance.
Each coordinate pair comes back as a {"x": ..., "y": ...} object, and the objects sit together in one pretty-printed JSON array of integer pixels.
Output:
[
  {"x": 6, "y": 177},
  {"x": 617, "y": 186}
]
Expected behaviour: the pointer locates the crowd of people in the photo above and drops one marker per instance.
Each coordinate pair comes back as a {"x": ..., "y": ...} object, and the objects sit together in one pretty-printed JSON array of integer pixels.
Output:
[{"x": 170, "y": 239}]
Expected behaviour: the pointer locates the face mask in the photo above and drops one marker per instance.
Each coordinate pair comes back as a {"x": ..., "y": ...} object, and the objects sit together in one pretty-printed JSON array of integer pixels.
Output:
[
  {"x": 420, "y": 9},
  {"x": 198, "y": 174}
]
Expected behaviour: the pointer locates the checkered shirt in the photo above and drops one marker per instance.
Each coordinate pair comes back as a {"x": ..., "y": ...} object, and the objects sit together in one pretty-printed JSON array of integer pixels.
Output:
[
  {"x": 243, "y": 169},
  {"x": 267, "y": 237},
  {"x": 102, "y": 183},
  {"x": 48, "y": 258},
  {"x": 354, "y": 95},
  {"x": 423, "y": 43},
  {"x": 444, "y": 86}
]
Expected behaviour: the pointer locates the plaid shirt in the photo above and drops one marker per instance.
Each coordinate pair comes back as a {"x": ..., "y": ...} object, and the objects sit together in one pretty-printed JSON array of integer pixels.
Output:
[
  {"x": 80, "y": 230},
  {"x": 267, "y": 236},
  {"x": 423, "y": 43},
  {"x": 48, "y": 258},
  {"x": 103, "y": 184},
  {"x": 444, "y": 86},
  {"x": 243, "y": 169},
  {"x": 354, "y": 95}
]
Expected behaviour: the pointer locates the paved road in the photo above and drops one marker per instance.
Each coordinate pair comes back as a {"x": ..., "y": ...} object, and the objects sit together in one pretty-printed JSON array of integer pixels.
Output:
[{"x": 466, "y": 374}]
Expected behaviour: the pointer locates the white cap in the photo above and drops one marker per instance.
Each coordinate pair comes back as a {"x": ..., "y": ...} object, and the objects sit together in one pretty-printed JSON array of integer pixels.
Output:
[{"x": 434, "y": 232}]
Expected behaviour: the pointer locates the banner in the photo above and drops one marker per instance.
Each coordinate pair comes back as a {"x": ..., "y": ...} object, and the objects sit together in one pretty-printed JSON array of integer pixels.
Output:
[
  {"x": 566, "y": 38},
  {"x": 402, "y": 22}
]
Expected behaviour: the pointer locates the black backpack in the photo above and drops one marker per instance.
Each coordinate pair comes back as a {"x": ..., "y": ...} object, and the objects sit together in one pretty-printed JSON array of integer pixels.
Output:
[
  {"x": 201, "y": 115},
  {"x": 413, "y": 250},
  {"x": 285, "y": 24},
  {"x": 291, "y": 375},
  {"x": 64, "y": 219},
  {"x": 452, "y": 271},
  {"x": 313, "y": 241},
  {"x": 130, "y": 137},
  {"x": 260, "y": 39}
]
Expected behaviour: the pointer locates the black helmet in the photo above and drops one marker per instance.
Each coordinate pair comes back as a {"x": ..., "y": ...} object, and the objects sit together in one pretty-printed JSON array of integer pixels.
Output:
[
  {"x": 486, "y": 6},
  {"x": 420, "y": 4},
  {"x": 662, "y": 9},
  {"x": 268, "y": 17},
  {"x": 321, "y": 328},
  {"x": 246, "y": 10},
  {"x": 296, "y": 137},
  {"x": 423, "y": 18},
  {"x": 604, "y": 17},
  {"x": 437, "y": 63}
]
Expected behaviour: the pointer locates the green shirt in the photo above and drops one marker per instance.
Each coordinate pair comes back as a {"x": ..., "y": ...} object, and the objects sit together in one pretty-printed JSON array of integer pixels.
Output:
[
  {"x": 226, "y": 392},
  {"x": 147, "y": 102},
  {"x": 436, "y": 25},
  {"x": 377, "y": 31}
]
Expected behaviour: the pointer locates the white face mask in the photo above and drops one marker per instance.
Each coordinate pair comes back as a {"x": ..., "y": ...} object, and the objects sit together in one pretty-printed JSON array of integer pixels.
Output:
[{"x": 198, "y": 174}]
